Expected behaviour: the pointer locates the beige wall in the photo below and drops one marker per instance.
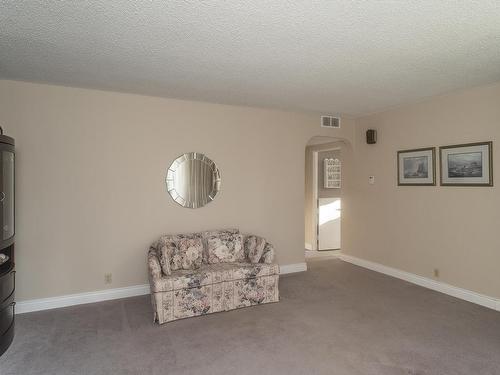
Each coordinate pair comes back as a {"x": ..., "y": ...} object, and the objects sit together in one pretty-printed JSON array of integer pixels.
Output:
[
  {"x": 90, "y": 180},
  {"x": 91, "y": 194},
  {"x": 417, "y": 229}
]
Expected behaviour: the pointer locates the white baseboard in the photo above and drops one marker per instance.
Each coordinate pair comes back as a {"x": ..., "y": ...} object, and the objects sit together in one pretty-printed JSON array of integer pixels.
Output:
[
  {"x": 308, "y": 246},
  {"x": 80, "y": 298},
  {"x": 108, "y": 294},
  {"x": 292, "y": 268},
  {"x": 467, "y": 295}
]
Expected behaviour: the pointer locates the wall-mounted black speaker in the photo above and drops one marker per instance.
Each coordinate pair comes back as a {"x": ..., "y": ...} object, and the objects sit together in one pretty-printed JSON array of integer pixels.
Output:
[{"x": 371, "y": 136}]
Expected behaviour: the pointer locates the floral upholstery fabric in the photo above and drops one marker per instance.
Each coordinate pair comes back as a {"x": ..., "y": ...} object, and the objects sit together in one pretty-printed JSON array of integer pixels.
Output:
[
  {"x": 250, "y": 292},
  {"x": 243, "y": 271},
  {"x": 154, "y": 265},
  {"x": 268, "y": 254},
  {"x": 218, "y": 232},
  {"x": 211, "y": 274},
  {"x": 182, "y": 279},
  {"x": 192, "y": 302},
  {"x": 188, "y": 280},
  {"x": 224, "y": 235},
  {"x": 171, "y": 257},
  {"x": 191, "y": 250},
  {"x": 254, "y": 248},
  {"x": 175, "y": 238},
  {"x": 224, "y": 296},
  {"x": 166, "y": 253},
  {"x": 225, "y": 248}
]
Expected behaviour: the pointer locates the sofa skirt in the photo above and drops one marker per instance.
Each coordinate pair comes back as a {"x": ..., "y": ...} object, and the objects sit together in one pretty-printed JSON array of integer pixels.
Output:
[{"x": 207, "y": 299}]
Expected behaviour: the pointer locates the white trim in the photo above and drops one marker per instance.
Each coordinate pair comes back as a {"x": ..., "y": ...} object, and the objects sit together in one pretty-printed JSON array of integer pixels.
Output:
[
  {"x": 314, "y": 203},
  {"x": 308, "y": 246},
  {"x": 467, "y": 295},
  {"x": 108, "y": 294},
  {"x": 80, "y": 298},
  {"x": 315, "y": 195},
  {"x": 292, "y": 268}
]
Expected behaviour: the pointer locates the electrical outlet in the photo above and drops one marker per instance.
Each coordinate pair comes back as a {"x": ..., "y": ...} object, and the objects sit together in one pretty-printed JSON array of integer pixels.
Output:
[
  {"x": 108, "y": 278},
  {"x": 436, "y": 273}
]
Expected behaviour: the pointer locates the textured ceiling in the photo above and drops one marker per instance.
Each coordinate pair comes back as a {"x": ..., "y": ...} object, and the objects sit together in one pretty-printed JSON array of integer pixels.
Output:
[{"x": 351, "y": 57}]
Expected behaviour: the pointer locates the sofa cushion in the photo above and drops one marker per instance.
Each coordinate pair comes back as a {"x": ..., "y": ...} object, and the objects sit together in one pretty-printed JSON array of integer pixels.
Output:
[
  {"x": 254, "y": 248},
  {"x": 250, "y": 270},
  {"x": 217, "y": 233},
  {"x": 191, "y": 252},
  {"x": 211, "y": 274},
  {"x": 175, "y": 238},
  {"x": 224, "y": 248},
  {"x": 182, "y": 279},
  {"x": 171, "y": 256},
  {"x": 165, "y": 254},
  {"x": 268, "y": 254},
  {"x": 241, "y": 270}
]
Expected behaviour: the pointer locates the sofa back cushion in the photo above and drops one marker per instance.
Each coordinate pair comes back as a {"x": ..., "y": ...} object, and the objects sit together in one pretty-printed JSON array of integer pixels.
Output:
[
  {"x": 191, "y": 250},
  {"x": 166, "y": 250},
  {"x": 219, "y": 233},
  {"x": 254, "y": 248},
  {"x": 174, "y": 257},
  {"x": 224, "y": 248},
  {"x": 268, "y": 254}
]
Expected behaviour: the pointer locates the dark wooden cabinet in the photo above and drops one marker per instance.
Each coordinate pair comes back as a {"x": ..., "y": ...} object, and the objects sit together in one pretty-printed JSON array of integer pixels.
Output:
[
  {"x": 7, "y": 287},
  {"x": 7, "y": 232}
]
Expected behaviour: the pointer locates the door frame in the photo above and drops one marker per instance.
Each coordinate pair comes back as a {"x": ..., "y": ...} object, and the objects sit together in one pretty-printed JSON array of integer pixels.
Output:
[{"x": 315, "y": 199}]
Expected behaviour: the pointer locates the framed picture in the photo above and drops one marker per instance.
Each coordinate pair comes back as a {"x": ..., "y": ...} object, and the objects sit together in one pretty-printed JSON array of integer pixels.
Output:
[
  {"x": 467, "y": 165},
  {"x": 417, "y": 167}
]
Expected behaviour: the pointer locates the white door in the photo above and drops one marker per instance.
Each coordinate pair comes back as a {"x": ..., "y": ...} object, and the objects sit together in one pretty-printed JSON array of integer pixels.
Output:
[{"x": 329, "y": 224}]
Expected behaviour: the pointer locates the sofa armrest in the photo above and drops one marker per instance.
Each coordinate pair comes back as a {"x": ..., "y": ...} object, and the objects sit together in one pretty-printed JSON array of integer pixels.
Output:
[{"x": 154, "y": 268}]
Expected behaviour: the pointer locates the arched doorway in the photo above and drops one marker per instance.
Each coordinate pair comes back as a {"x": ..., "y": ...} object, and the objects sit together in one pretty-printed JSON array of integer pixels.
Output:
[{"x": 324, "y": 158}]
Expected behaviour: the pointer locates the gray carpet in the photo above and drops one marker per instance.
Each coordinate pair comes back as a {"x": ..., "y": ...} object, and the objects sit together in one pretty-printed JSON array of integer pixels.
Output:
[{"x": 334, "y": 319}]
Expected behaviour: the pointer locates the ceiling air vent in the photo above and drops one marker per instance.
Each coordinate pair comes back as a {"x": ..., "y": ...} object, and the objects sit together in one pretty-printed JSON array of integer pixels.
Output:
[{"x": 330, "y": 122}]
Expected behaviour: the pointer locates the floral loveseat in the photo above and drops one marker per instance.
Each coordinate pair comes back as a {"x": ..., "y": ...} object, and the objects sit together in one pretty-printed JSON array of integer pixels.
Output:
[{"x": 202, "y": 273}]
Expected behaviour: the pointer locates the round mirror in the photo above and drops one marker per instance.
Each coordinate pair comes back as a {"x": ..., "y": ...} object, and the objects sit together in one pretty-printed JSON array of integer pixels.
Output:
[{"x": 193, "y": 180}]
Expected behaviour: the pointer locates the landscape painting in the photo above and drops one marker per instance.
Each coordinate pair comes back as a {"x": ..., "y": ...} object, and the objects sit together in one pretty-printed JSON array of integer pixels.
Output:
[
  {"x": 467, "y": 165},
  {"x": 416, "y": 167}
]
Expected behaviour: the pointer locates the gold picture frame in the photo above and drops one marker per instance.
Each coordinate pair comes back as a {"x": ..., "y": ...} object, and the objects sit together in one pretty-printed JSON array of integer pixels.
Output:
[
  {"x": 467, "y": 164},
  {"x": 417, "y": 167}
]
